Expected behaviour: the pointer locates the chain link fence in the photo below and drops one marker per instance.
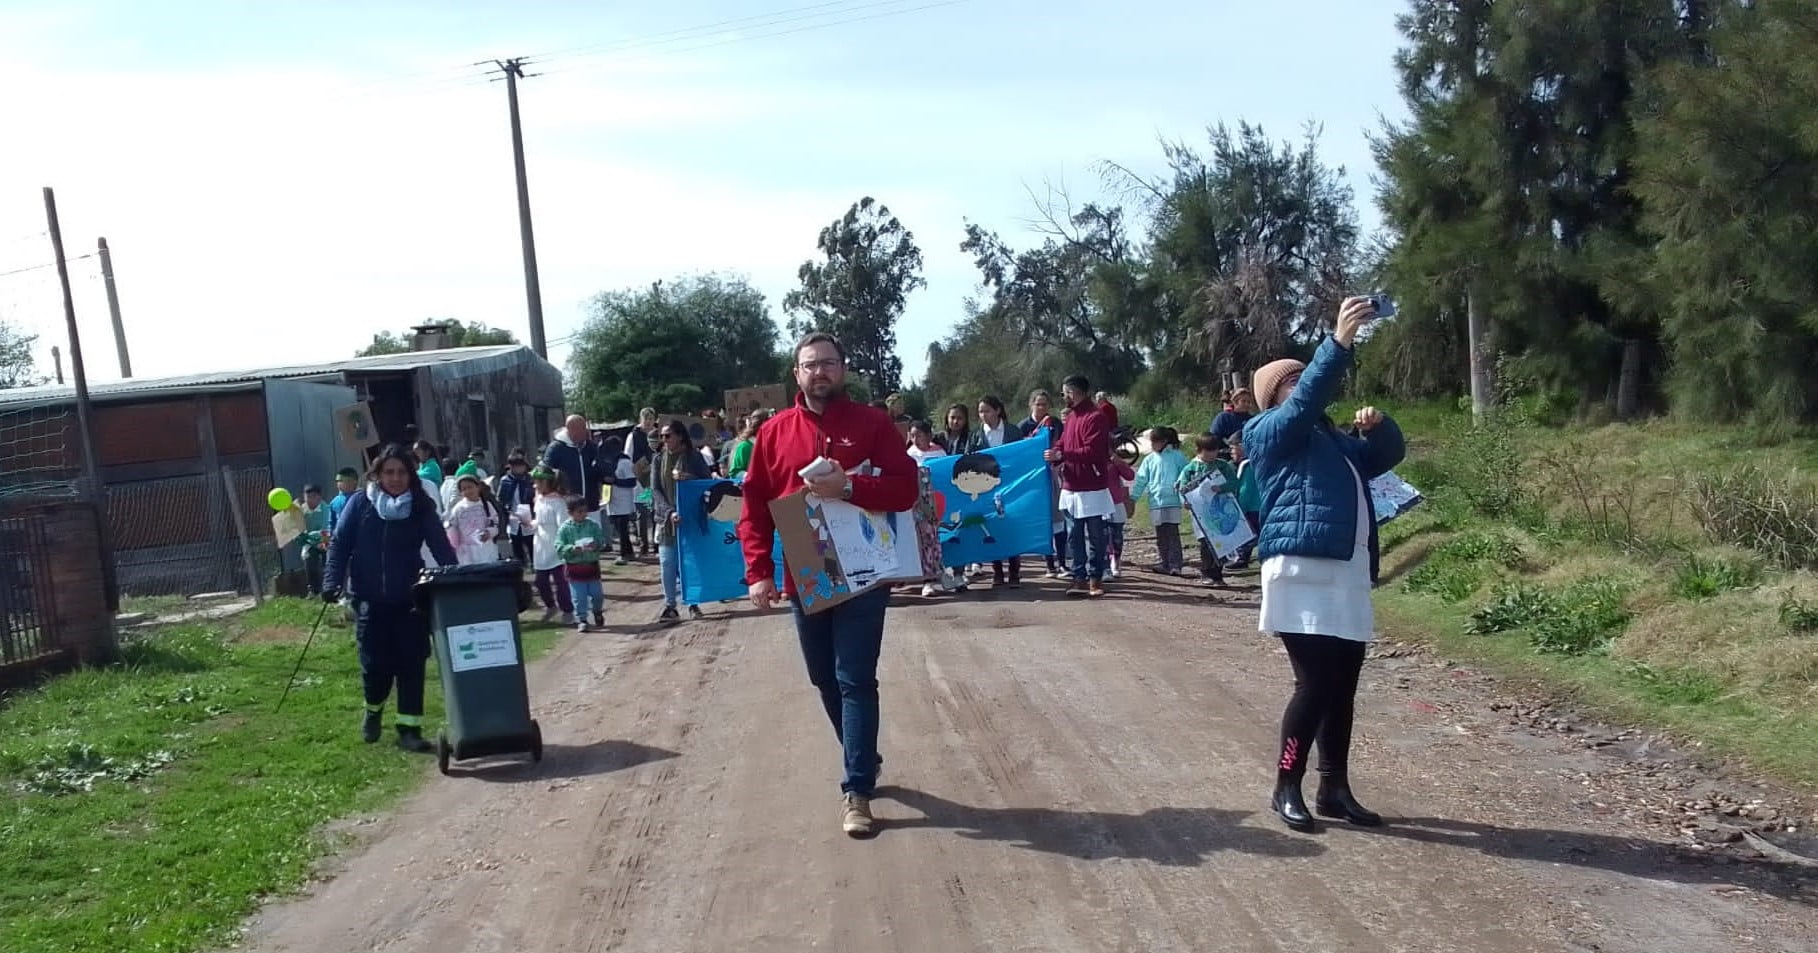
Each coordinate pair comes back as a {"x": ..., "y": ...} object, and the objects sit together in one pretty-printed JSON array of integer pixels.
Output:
[{"x": 190, "y": 534}]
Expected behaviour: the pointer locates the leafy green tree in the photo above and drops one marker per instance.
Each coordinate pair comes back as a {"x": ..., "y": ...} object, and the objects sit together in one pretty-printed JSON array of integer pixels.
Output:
[
  {"x": 1250, "y": 248},
  {"x": 17, "y": 366},
  {"x": 1046, "y": 316},
  {"x": 857, "y": 292},
  {"x": 460, "y": 334},
  {"x": 675, "y": 346},
  {"x": 1728, "y": 171}
]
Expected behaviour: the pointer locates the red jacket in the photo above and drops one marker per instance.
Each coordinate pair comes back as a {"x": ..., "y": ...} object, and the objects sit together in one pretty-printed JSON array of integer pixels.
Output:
[
  {"x": 848, "y": 432},
  {"x": 1110, "y": 411},
  {"x": 1085, "y": 447}
]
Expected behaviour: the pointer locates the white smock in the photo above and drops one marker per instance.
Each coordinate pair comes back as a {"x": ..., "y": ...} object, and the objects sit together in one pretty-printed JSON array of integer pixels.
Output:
[{"x": 1310, "y": 595}]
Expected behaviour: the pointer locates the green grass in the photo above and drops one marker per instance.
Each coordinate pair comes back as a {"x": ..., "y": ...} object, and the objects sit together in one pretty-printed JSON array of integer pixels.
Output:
[
  {"x": 1572, "y": 557},
  {"x": 151, "y": 805}
]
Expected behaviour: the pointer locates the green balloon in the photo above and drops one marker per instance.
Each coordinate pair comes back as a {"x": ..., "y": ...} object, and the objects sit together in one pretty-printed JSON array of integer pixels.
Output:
[{"x": 279, "y": 499}]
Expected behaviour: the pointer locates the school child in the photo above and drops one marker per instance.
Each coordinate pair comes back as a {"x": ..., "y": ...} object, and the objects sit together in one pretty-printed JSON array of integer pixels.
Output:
[
  {"x": 548, "y": 512},
  {"x": 347, "y": 483},
  {"x": 1155, "y": 481},
  {"x": 516, "y": 490},
  {"x": 1122, "y": 473},
  {"x": 1249, "y": 498},
  {"x": 579, "y": 544},
  {"x": 314, "y": 541},
  {"x": 472, "y": 523},
  {"x": 1207, "y": 468}
]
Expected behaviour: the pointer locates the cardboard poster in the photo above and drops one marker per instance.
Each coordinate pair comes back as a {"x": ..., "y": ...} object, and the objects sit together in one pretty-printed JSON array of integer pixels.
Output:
[
  {"x": 834, "y": 550},
  {"x": 744, "y": 400},
  {"x": 354, "y": 427},
  {"x": 1391, "y": 496},
  {"x": 1217, "y": 518}
]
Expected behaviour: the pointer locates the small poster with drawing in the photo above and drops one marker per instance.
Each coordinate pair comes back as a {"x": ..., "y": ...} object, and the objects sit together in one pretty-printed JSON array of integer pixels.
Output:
[
  {"x": 832, "y": 549},
  {"x": 1217, "y": 518}
]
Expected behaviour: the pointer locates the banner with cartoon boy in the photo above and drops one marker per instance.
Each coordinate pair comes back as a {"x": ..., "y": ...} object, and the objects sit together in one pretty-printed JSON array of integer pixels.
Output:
[
  {"x": 993, "y": 504},
  {"x": 712, "y": 562}
]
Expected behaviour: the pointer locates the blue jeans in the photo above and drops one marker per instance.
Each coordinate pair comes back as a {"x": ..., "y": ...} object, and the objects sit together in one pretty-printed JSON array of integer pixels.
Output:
[
  {"x": 588, "y": 598},
  {"x": 669, "y": 560},
  {"x": 1086, "y": 542},
  {"x": 841, "y": 646}
]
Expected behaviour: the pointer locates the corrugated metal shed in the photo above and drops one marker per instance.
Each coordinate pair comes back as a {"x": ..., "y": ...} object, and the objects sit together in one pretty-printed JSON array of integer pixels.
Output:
[{"x": 444, "y": 363}]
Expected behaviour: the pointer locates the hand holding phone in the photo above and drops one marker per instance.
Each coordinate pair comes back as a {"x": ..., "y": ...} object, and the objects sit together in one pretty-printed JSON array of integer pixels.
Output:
[{"x": 1383, "y": 304}]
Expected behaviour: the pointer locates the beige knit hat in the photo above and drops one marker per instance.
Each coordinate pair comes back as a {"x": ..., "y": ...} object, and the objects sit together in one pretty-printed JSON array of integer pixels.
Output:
[{"x": 1269, "y": 377}]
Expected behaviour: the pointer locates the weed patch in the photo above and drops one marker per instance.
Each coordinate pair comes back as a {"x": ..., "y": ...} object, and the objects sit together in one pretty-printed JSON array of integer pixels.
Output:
[
  {"x": 1579, "y": 620},
  {"x": 1750, "y": 509},
  {"x": 1799, "y": 616},
  {"x": 1460, "y": 566},
  {"x": 1704, "y": 577}
]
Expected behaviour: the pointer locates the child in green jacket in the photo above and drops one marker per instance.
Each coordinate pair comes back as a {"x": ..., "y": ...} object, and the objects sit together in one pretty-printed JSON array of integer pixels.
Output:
[
  {"x": 1207, "y": 467},
  {"x": 578, "y": 544}
]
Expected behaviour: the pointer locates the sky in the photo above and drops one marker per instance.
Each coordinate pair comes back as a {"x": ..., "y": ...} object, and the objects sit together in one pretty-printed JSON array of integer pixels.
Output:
[{"x": 279, "y": 182}]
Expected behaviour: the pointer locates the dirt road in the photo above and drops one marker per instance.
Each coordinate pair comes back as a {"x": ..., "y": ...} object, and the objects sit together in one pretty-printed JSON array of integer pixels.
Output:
[{"x": 1060, "y": 777}]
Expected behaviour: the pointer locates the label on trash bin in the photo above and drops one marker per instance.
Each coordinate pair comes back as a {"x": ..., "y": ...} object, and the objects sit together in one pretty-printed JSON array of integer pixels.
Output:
[{"x": 481, "y": 645}]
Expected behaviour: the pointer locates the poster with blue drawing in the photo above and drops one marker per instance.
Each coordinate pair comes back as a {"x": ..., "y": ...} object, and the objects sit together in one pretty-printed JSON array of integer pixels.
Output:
[
  {"x": 1217, "y": 517},
  {"x": 712, "y": 562},
  {"x": 1391, "y": 496},
  {"x": 993, "y": 504}
]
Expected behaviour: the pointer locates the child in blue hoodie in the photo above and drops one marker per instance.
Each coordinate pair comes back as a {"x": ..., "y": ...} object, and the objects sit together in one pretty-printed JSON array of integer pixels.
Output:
[{"x": 1156, "y": 477}]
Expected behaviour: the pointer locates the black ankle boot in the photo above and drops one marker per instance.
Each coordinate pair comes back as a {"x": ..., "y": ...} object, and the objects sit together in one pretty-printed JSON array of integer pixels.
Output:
[
  {"x": 1335, "y": 800},
  {"x": 1290, "y": 807},
  {"x": 370, "y": 727},
  {"x": 410, "y": 738}
]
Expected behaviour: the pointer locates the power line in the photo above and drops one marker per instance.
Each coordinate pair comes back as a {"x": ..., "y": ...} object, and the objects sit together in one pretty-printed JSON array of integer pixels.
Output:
[{"x": 48, "y": 264}]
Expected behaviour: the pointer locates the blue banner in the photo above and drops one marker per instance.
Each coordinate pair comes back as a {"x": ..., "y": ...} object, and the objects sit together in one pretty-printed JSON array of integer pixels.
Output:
[
  {"x": 994, "y": 504},
  {"x": 712, "y": 562}
]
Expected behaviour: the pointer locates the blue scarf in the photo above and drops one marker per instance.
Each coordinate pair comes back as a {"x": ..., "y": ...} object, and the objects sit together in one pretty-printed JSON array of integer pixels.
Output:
[{"x": 389, "y": 507}]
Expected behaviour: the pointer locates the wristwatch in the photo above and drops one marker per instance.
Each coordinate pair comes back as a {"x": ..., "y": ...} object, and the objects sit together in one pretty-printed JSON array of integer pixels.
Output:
[{"x": 846, "y": 491}]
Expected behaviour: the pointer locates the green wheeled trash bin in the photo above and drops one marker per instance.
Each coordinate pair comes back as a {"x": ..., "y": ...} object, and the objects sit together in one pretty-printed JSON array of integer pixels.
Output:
[{"x": 473, "y": 622}]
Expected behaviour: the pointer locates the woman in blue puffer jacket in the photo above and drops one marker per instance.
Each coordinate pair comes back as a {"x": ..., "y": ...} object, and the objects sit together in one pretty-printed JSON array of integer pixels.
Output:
[
  {"x": 377, "y": 554},
  {"x": 1319, "y": 558}
]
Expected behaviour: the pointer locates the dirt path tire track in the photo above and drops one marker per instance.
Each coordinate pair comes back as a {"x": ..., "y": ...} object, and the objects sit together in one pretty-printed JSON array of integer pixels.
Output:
[{"x": 1060, "y": 776}]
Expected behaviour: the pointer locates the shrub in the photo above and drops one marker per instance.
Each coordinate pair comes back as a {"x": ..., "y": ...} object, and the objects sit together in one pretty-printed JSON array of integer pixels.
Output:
[
  {"x": 1749, "y": 509},
  {"x": 1797, "y": 614},
  {"x": 1587, "y": 616},
  {"x": 1461, "y": 565},
  {"x": 1514, "y": 607},
  {"x": 1701, "y": 577},
  {"x": 1488, "y": 467}
]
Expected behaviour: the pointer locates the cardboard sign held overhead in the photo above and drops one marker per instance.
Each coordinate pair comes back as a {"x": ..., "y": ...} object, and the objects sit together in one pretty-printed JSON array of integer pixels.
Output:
[
  {"x": 353, "y": 425},
  {"x": 744, "y": 400}
]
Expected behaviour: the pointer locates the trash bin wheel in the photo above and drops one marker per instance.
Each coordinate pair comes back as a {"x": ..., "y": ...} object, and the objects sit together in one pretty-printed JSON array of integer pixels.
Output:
[
  {"x": 536, "y": 741},
  {"x": 442, "y": 752}
]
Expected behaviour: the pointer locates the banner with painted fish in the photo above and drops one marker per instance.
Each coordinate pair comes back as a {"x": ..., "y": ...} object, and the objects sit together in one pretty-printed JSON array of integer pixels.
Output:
[{"x": 712, "y": 562}]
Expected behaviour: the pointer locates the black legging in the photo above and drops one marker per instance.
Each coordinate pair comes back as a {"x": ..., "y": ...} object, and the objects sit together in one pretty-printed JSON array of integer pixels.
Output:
[
  {"x": 1323, "y": 704},
  {"x": 522, "y": 548},
  {"x": 622, "y": 525}
]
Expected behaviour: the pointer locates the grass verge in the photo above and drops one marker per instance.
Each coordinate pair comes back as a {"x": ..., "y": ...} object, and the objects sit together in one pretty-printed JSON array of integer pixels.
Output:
[{"x": 153, "y": 804}]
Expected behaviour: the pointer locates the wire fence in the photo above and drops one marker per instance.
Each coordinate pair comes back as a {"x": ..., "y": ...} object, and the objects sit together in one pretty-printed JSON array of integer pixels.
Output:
[{"x": 181, "y": 535}]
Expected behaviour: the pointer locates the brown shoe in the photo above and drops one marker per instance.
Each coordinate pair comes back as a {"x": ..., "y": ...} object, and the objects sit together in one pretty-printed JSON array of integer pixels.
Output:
[
  {"x": 1077, "y": 588},
  {"x": 1095, "y": 589},
  {"x": 855, "y": 816}
]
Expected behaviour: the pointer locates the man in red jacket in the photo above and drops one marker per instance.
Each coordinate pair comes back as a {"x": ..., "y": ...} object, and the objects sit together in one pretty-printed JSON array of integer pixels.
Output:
[
  {"x": 841, "y": 644},
  {"x": 1084, "y": 458}
]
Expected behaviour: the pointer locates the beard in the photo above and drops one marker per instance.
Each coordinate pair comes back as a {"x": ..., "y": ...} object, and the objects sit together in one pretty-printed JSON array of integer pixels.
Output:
[{"x": 820, "y": 388}]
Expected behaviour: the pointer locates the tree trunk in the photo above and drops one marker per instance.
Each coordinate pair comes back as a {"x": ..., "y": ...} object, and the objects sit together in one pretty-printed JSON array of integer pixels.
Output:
[
  {"x": 1628, "y": 381},
  {"x": 1483, "y": 381}
]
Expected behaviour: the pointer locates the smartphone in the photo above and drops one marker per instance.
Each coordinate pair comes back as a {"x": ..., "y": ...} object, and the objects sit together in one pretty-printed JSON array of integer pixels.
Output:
[{"x": 1384, "y": 305}]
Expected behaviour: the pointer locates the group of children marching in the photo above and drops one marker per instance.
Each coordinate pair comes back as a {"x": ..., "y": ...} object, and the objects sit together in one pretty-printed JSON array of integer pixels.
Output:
[{"x": 1165, "y": 477}]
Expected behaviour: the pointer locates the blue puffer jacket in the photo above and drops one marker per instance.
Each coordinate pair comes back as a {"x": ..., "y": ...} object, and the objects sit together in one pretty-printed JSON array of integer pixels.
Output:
[
  {"x": 377, "y": 559},
  {"x": 1309, "y": 497}
]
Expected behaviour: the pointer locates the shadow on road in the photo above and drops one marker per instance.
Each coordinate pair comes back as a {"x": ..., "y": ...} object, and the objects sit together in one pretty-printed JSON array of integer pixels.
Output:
[
  {"x": 1650, "y": 860},
  {"x": 1170, "y": 836},
  {"x": 563, "y": 761}
]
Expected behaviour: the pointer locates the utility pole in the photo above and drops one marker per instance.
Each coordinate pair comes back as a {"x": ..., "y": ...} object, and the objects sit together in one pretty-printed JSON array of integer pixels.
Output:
[
  {"x": 57, "y": 359},
  {"x": 91, "y": 474},
  {"x": 533, "y": 292},
  {"x": 113, "y": 307}
]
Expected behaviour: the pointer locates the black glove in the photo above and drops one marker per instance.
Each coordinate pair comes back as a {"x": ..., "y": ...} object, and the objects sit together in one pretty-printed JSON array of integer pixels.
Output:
[{"x": 331, "y": 595}]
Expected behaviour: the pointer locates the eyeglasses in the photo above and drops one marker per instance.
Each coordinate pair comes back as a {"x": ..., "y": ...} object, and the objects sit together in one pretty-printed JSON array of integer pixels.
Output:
[{"x": 815, "y": 367}]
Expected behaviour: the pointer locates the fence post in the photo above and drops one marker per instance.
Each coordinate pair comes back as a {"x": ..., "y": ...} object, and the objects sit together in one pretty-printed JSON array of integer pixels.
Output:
[{"x": 233, "y": 507}]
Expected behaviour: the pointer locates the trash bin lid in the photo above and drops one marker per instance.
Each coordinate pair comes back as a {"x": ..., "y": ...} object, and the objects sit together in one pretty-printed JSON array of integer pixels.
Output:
[{"x": 504, "y": 571}]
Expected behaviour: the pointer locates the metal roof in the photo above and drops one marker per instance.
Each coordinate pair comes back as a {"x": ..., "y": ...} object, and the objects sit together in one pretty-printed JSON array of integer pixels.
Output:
[{"x": 228, "y": 381}]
